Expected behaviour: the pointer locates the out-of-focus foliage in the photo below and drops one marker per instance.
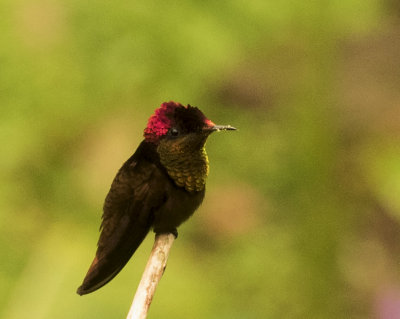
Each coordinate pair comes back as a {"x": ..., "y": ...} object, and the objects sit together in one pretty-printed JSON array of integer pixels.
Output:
[{"x": 302, "y": 215}]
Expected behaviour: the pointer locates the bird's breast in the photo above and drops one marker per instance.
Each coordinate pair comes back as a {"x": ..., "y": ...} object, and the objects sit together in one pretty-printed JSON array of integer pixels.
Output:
[{"x": 188, "y": 170}]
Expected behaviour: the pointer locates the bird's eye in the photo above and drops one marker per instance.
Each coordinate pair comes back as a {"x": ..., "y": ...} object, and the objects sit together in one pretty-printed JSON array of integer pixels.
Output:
[{"x": 174, "y": 131}]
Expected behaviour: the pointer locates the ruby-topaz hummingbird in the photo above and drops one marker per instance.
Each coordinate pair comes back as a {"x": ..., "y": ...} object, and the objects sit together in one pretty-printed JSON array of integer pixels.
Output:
[{"x": 158, "y": 187}]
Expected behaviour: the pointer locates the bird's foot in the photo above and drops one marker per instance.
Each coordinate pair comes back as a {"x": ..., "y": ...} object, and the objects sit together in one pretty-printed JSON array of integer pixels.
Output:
[{"x": 175, "y": 233}]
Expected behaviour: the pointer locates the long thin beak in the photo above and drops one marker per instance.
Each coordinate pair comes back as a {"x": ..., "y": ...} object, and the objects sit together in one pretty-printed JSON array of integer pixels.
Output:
[{"x": 220, "y": 128}]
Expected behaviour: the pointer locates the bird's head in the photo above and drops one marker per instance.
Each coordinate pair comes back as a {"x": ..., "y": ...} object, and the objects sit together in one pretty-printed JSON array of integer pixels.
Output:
[{"x": 186, "y": 128}]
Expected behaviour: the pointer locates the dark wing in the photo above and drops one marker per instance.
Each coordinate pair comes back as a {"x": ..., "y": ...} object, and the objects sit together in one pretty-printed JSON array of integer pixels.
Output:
[{"x": 127, "y": 218}]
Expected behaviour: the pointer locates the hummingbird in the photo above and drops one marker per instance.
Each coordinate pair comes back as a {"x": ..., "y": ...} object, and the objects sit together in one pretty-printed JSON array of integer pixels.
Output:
[{"x": 159, "y": 187}]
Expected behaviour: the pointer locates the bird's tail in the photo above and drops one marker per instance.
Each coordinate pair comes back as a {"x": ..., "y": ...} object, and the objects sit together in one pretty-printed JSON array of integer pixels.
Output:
[{"x": 107, "y": 264}]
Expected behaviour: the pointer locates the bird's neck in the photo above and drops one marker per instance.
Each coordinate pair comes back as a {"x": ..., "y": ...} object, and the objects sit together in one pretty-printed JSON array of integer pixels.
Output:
[{"x": 187, "y": 169}]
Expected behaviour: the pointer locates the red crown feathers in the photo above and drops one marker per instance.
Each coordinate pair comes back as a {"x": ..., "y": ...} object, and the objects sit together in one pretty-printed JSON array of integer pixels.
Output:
[{"x": 164, "y": 117}]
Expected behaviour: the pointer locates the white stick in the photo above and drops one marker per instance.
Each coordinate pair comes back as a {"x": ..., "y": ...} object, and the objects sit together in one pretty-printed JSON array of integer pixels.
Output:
[{"x": 151, "y": 276}]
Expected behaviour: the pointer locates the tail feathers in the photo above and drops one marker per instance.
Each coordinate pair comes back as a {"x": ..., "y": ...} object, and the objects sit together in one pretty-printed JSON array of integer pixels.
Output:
[
  {"x": 106, "y": 266},
  {"x": 95, "y": 279}
]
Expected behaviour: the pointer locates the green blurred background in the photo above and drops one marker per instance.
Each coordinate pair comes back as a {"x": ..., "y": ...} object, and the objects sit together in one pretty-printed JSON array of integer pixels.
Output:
[{"x": 302, "y": 213}]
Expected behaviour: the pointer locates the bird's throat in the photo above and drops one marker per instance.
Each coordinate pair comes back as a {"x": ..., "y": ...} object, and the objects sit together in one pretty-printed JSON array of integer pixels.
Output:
[{"x": 187, "y": 169}]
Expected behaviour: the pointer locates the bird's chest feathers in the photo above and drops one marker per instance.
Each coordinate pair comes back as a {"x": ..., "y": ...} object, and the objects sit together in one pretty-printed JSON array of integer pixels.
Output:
[{"x": 187, "y": 169}]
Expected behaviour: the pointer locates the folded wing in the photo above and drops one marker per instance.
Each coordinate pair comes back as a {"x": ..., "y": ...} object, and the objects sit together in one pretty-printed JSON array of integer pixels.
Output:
[{"x": 128, "y": 216}]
